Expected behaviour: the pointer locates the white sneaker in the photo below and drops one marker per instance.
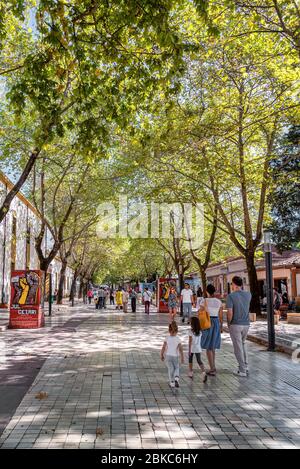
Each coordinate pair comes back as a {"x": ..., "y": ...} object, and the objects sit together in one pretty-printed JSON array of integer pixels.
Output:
[
  {"x": 172, "y": 384},
  {"x": 239, "y": 373}
]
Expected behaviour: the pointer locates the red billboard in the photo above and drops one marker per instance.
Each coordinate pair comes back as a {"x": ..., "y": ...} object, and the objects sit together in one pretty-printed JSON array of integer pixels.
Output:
[
  {"x": 25, "y": 300},
  {"x": 164, "y": 285}
]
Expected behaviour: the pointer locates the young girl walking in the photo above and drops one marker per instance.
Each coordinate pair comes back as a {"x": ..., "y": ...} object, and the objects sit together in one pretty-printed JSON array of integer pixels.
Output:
[
  {"x": 195, "y": 348},
  {"x": 170, "y": 352}
]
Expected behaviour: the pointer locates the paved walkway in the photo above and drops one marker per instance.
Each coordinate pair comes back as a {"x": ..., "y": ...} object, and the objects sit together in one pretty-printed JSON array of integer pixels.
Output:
[
  {"x": 102, "y": 385},
  {"x": 287, "y": 335}
]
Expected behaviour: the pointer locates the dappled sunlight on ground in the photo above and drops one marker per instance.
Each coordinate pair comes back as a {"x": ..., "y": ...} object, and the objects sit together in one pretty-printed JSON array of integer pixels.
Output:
[{"x": 106, "y": 387}]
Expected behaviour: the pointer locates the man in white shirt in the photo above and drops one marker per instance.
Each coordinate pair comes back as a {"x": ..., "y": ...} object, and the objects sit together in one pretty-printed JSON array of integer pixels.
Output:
[
  {"x": 147, "y": 296},
  {"x": 187, "y": 302}
]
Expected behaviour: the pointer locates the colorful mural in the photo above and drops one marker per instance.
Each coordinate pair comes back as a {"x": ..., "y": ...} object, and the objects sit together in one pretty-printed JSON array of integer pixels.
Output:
[{"x": 25, "y": 307}]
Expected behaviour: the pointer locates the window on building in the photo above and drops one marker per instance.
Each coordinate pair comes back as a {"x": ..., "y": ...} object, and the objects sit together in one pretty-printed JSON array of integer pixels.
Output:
[
  {"x": 13, "y": 255},
  {"x": 28, "y": 241}
]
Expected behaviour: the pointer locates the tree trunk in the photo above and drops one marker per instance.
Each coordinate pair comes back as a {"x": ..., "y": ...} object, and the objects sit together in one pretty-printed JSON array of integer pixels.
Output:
[
  {"x": 203, "y": 281},
  {"x": 84, "y": 291},
  {"x": 73, "y": 287},
  {"x": 61, "y": 285},
  {"x": 253, "y": 282},
  {"x": 80, "y": 294},
  {"x": 16, "y": 188}
]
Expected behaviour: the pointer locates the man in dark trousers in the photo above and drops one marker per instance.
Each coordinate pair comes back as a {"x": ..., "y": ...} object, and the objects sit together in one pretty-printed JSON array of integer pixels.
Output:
[{"x": 133, "y": 296}]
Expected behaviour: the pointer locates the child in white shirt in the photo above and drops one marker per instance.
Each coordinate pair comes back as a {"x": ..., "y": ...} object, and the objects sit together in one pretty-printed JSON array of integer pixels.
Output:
[
  {"x": 195, "y": 348},
  {"x": 170, "y": 351}
]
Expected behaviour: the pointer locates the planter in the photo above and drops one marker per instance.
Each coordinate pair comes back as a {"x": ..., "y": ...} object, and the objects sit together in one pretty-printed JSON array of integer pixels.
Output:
[
  {"x": 252, "y": 317},
  {"x": 293, "y": 318}
]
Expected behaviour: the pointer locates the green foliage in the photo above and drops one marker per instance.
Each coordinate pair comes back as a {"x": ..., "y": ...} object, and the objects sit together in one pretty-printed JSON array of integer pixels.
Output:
[
  {"x": 165, "y": 100},
  {"x": 284, "y": 198}
]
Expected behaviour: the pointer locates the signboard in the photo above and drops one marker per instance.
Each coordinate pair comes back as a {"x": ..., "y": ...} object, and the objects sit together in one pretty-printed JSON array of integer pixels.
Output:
[
  {"x": 25, "y": 300},
  {"x": 164, "y": 285}
]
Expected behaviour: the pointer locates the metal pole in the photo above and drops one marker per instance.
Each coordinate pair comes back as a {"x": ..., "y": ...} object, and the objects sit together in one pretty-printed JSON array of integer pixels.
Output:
[
  {"x": 181, "y": 286},
  {"x": 270, "y": 308},
  {"x": 50, "y": 294},
  {"x": 3, "y": 299}
]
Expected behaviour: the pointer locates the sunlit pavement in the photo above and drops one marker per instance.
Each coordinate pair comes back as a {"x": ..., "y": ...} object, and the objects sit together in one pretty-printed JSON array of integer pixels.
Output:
[{"x": 102, "y": 385}]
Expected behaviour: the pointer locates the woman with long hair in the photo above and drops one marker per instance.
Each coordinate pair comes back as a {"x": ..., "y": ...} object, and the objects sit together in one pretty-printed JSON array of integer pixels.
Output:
[{"x": 172, "y": 303}]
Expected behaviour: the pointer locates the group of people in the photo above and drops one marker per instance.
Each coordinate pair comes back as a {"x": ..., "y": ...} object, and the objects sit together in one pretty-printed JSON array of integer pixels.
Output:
[
  {"x": 208, "y": 339},
  {"x": 101, "y": 298},
  {"x": 121, "y": 298},
  {"x": 124, "y": 295}
]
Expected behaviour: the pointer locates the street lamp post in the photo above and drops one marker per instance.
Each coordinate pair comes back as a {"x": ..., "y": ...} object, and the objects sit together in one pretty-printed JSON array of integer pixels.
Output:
[
  {"x": 50, "y": 268},
  {"x": 181, "y": 286},
  {"x": 269, "y": 292}
]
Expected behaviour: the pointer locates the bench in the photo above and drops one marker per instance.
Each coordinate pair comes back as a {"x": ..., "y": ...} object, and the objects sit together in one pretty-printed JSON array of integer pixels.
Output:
[{"x": 293, "y": 318}]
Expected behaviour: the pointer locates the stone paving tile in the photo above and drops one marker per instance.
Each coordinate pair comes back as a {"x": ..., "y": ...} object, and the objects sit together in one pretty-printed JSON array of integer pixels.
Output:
[{"x": 106, "y": 388}]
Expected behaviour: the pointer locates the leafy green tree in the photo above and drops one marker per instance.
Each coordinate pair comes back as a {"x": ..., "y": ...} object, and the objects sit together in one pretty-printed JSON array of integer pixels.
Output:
[
  {"x": 284, "y": 198},
  {"x": 280, "y": 18},
  {"x": 86, "y": 68}
]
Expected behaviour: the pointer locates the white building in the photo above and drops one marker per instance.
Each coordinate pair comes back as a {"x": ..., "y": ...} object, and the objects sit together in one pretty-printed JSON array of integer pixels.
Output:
[{"x": 17, "y": 242}]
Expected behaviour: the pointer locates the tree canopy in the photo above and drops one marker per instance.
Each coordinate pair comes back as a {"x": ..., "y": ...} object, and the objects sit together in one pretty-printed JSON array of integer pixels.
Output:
[{"x": 163, "y": 101}]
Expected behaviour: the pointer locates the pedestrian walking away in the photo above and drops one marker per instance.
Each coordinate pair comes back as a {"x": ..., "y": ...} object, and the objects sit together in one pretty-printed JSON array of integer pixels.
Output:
[
  {"x": 187, "y": 302},
  {"x": 170, "y": 352},
  {"x": 112, "y": 298},
  {"x": 101, "y": 298},
  {"x": 107, "y": 297},
  {"x": 238, "y": 307},
  {"x": 199, "y": 298},
  {"x": 147, "y": 296},
  {"x": 195, "y": 348},
  {"x": 211, "y": 338},
  {"x": 90, "y": 295},
  {"x": 119, "y": 298},
  {"x": 172, "y": 304},
  {"x": 133, "y": 297},
  {"x": 125, "y": 298}
]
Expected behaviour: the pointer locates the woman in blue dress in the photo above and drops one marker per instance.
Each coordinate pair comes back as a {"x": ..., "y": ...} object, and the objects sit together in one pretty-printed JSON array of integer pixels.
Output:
[
  {"x": 211, "y": 338},
  {"x": 172, "y": 304}
]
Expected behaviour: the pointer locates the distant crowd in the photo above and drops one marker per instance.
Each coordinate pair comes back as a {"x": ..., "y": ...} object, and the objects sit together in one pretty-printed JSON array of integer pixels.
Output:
[{"x": 120, "y": 298}]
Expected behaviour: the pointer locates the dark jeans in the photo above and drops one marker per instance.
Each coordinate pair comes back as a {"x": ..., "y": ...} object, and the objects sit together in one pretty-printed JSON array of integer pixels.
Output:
[
  {"x": 100, "y": 303},
  {"x": 133, "y": 305},
  {"x": 112, "y": 300},
  {"x": 147, "y": 307},
  {"x": 90, "y": 300}
]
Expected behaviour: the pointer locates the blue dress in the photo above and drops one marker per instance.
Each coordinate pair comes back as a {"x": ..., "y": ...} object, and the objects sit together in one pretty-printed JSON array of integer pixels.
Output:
[
  {"x": 172, "y": 300},
  {"x": 211, "y": 338}
]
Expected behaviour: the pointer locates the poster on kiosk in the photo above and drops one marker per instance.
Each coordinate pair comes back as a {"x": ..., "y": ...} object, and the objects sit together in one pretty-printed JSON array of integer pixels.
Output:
[
  {"x": 164, "y": 285},
  {"x": 25, "y": 300}
]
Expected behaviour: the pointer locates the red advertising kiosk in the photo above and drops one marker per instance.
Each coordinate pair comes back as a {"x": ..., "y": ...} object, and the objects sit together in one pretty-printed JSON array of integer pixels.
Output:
[
  {"x": 164, "y": 285},
  {"x": 25, "y": 300}
]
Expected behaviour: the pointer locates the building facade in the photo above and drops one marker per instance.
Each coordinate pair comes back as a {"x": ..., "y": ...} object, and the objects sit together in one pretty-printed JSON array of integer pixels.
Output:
[
  {"x": 286, "y": 273},
  {"x": 17, "y": 242}
]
